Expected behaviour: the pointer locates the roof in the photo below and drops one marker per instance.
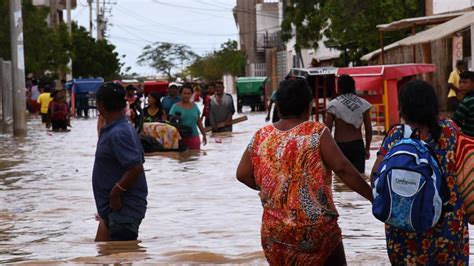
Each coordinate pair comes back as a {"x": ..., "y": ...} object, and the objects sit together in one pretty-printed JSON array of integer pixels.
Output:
[
  {"x": 371, "y": 55},
  {"x": 83, "y": 81},
  {"x": 87, "y": 85},
  {"x": 372, "y": 77},
  {"x": 155, "y": 82},
  {"x": 429, "y": 35},
  {"x": 313, "y": 71},
  {"x": 418, "y": 21},
  {"x": 441, "y": 31},
  {"x": 251, "y": 79},
  {"x": 130, "y": 81}
]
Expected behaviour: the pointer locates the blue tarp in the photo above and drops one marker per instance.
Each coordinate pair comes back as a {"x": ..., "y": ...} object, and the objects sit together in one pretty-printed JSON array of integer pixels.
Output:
[{"x": 87, "y": 85}]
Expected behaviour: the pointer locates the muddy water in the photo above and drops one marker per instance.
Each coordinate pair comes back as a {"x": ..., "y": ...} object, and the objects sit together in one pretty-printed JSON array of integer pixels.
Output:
[{"x": 197, "y": 213}]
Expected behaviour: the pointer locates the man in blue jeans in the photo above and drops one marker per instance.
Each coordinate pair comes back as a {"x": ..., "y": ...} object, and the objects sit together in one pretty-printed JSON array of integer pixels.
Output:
[{"x": 118, "y": 178}]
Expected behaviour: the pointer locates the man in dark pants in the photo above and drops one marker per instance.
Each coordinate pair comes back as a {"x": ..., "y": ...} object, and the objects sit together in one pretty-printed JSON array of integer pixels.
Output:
[
  {"x": 348, "y": 112},
  {"x": 118, "y": 178}
]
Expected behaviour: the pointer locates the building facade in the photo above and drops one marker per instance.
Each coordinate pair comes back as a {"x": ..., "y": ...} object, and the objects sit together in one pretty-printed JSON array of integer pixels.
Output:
[{"x": 259, "y": 24}]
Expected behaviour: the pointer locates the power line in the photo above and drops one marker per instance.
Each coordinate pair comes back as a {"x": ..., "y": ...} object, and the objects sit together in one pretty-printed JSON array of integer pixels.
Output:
[
  {"x": 184, "y": 31},
  {"x": 222, "y": 9},
  {"x": 168, "y": 27}
]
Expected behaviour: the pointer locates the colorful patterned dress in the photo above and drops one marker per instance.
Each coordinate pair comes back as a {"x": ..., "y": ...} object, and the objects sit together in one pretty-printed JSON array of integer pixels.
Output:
[
  {"x": 448, "y": 241},
  {"x": 299, "y": 223}
]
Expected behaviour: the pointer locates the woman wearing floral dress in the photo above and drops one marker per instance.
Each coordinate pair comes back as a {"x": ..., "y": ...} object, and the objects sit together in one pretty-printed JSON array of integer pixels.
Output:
[
  {"x": 290, "y": 163},
  {"x": 448, "y": 241}
]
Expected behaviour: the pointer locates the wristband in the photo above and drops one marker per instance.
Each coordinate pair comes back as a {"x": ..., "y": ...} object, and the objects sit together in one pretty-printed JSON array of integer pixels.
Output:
[{"x": 120, "y": 187}]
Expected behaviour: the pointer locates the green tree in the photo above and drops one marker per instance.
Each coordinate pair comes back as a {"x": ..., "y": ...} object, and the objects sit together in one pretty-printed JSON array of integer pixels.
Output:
[
  {"x": 227, "y": 60},
  {"x": 166, "y": 57},
  {"x": 91, "y": 58},
  {"x": 46, "y": 49},
  {"x": 349, "y": 26}
]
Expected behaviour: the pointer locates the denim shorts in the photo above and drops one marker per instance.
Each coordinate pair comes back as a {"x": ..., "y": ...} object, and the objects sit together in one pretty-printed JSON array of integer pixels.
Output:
[{"x": 122, "y": 228}]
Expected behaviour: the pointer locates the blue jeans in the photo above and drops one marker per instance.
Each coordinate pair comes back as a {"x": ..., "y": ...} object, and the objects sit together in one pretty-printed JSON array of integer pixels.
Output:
[{"x": 122, "y": 228}]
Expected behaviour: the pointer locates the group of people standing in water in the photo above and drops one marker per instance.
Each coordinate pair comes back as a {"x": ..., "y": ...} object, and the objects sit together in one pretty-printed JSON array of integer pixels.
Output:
[{"x": 291, "y": 163}]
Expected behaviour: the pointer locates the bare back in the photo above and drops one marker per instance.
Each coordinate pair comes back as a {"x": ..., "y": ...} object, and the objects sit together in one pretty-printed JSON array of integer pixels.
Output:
[{"x": 345, "y": 132}]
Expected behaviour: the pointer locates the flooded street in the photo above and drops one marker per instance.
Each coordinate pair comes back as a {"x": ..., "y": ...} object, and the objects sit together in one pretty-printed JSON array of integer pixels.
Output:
[{"x": 197, "y": 211}]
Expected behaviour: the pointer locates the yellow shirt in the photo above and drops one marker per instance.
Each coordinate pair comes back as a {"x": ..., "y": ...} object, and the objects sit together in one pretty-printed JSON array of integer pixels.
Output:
[
  {"x": 453, "y": 79},
  {"x": 44, "y": 100}
]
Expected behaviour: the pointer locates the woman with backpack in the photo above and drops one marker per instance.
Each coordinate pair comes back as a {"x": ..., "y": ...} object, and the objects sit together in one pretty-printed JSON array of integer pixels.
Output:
[{"x": 447, "y": 242}]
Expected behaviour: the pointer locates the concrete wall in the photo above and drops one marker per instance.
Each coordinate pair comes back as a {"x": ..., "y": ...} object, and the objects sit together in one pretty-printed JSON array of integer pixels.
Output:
[
  {"x": 269, "y": 17},
  {"x": 443, "y": 6},
  {"x": 245, "y": 18}
]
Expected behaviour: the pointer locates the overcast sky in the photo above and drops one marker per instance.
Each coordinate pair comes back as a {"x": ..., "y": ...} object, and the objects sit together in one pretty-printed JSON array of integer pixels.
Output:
[{"x": 201, "y": 24}]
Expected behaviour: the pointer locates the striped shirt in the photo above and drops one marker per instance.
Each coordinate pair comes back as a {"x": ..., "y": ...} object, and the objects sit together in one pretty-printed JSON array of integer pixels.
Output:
[{"x": 464, "y": 115}]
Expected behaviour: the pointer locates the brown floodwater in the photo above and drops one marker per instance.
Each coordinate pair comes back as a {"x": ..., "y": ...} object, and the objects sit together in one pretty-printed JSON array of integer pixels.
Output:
[{"x": 197, "y": 211}]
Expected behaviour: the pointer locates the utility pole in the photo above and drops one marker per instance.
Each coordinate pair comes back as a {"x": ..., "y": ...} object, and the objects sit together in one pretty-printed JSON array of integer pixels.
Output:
[
  {"x": 69, "y": 27},
  {"x": 18, "y": 68},
  {"x": 99, "y": 21},
  {"x": 90, "y": 16}
]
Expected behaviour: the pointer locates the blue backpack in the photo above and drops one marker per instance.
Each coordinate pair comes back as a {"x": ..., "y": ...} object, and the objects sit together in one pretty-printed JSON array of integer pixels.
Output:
[{"x": 409, "y": 188}]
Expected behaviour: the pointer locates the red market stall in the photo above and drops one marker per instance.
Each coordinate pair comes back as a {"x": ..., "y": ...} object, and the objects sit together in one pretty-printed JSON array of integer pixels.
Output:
[
  {"x": 379, "y": 85},
  {"x": 158, "y": 86}
]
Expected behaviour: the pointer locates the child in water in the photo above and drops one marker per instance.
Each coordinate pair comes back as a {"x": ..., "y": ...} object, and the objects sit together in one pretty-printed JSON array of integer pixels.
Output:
[{"x": 58, "y": 111}]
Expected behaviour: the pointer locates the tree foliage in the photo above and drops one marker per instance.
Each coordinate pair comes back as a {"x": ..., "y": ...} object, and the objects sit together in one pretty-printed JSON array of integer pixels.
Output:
[
  {"x": 349, "y": 26},
  {"x": 47, "y": 50},
  {"x": 91, "y": 58},
  {"x": 227, "y": 60},
  {"x": 166, "y": 57}
]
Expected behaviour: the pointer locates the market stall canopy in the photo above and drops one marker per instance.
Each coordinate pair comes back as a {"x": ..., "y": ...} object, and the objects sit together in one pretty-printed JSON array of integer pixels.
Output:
[
  {"x": 418, "y": 21},
  {"x": 371, "y": 78},
  {"x": 312, "y": 71},
  {"x": 441, "y": 31},
  {"x": 461, "y": 21},
  {"x": 87, "y": 85}
]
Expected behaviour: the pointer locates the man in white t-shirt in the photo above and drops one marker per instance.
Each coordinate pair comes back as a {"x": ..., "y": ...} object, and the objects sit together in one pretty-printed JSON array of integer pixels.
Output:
[{"x": 348, "y": 112}]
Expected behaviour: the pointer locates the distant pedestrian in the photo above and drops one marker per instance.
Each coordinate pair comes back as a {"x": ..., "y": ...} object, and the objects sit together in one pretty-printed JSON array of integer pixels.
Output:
[
  {"x": 43, "y": 100},
  {"x": 464, "y": 115},
  {"x": 221, "y": 109},
  {"x": 347, "y": 113},
  {"x": 207, "y": 101},
  {"x": 173, "y": 97},
  {"x": 290, "y": 164},
  {"x": 454, "y": 95},
  {"x": 275, "y": 116},
  {"x": 188, "y": 115},
  {"x": 154, "y": 111},
  {"x": 118, "y": 177},
  {"x": 35, "y": 93},
  {"x": 58, "y": 112}
]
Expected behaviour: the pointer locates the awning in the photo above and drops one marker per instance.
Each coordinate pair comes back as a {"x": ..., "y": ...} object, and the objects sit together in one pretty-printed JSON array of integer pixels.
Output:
[
  {"x": 371, "y": 55},
  {"x": 440, "y": 31},
  {"x": 429, "y": 35},
  {"x": 370, "y": 78},
  {"x": 418, "y": 21},
  {"x": 312, "y": 71},
  {"x": 87, "y": 85},
  {"x": 251, "y": 79}
]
